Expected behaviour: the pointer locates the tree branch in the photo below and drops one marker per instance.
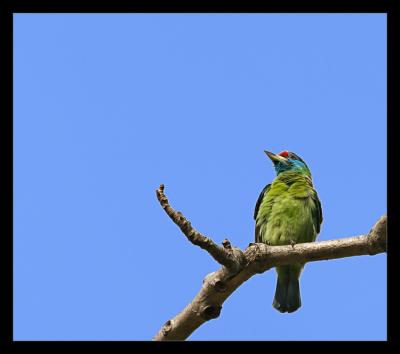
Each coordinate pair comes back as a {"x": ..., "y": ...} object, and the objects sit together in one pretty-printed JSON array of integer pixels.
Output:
[
  {"x": 228, "y": 256},
  {"x": 239, "y": 266}
]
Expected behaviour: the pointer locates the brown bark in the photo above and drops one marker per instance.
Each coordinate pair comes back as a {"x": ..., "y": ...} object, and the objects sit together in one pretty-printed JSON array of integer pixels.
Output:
[{"x": 238, "y": 266}]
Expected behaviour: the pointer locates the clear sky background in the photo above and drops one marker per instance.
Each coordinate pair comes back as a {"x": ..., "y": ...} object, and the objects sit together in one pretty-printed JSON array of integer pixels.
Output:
[{"x": 108, "y": 106}]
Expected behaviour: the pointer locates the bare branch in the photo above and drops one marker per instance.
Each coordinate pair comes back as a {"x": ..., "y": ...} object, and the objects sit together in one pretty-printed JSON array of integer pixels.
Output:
[
  {"x": 257, "y": 258},
  {"x": 228, "y": 256},
  {"x": 271, "y": 256}
]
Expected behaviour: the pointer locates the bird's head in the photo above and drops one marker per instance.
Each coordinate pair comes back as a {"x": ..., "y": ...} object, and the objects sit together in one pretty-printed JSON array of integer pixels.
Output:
[{"x": 288, "y": 161}]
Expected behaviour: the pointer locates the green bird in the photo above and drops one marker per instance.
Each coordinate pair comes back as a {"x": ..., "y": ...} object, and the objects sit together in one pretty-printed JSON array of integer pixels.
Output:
[{"x": 288, "y": 211}]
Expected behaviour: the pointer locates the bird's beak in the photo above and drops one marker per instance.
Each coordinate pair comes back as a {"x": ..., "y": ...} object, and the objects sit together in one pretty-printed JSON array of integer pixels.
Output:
[{"x": 276, "y": 158}]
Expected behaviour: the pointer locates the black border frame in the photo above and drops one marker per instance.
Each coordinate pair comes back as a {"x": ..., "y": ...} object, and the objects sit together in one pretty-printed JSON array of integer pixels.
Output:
[{"x": 8, "y": 8}]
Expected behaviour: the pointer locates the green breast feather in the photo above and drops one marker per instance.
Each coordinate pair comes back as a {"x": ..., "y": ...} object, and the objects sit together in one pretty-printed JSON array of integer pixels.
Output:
[{"x": 288, "y": 210}]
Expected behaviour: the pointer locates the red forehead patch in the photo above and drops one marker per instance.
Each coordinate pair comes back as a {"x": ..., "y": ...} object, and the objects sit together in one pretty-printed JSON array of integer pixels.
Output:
[{"x": 284, "y": 153}]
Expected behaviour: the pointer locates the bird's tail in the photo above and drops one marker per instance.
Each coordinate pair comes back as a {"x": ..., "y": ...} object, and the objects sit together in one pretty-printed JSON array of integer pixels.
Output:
[{"x": 287, "y": 293}]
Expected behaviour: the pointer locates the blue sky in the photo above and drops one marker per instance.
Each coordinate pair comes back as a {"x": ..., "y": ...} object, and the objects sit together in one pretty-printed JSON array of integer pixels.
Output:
[{"x": 108, "y": 106}]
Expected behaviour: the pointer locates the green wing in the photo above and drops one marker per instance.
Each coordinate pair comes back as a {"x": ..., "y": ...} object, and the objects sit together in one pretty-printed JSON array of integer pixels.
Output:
[
  {"x": 317, "y": 213},
  {"x": 259, "y": 200}
]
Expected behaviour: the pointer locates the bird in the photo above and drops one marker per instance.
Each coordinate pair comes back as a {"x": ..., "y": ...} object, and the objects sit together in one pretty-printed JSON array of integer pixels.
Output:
[{"x": 287, "y": 212}]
